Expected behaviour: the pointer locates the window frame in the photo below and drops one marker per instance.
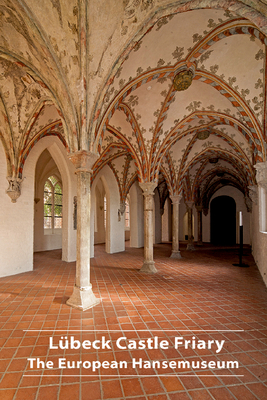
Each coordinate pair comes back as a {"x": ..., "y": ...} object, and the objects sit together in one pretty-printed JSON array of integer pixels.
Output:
[
  {"x": 127, "y": 214},
  {"x": 263, "y": 209},
  {"x": 53, "y": 229}
]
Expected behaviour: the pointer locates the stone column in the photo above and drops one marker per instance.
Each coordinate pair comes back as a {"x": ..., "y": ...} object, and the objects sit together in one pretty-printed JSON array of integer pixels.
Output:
[
  {"x": 199, "y": 225},
  {"x": 261, "y": 174},
  {"x": 83, "y": 296},
  {"x": 261, "y": 178},
  {"x": 190, "y": 243},
  {"x": 148, "y": 193},
  {"x": 175, "y": 226}
]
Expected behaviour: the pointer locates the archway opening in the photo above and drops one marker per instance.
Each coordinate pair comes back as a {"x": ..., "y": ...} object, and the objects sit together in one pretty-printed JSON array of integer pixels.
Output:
[
  {"x": 100, "y": 220},
  {"x": 48, "y": 204},
  {"x": 223, "y": 221},
  {"x": 185, "y": 226}
]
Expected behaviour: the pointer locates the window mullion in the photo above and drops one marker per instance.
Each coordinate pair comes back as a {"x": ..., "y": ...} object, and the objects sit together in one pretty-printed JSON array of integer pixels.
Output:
[{"x": 53, "y": 210}]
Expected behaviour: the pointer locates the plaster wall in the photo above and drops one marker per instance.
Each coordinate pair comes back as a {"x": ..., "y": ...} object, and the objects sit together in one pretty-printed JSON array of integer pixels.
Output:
[
  {"x": 183, "y": 221},
  {"x": 127, "y": 234},
  {"x": 115, "y": 231},
  {"x": 167, "y": 222},
  {"x": 99, "y": 226},
  {"x": 259, "y": 243},
  {"x": 182, "y": 212},
  {"x": 16, "y": 228},
  {"x": 136, "y": 216},
  {"x": 44, "y": 241},
  {"x": 157, "y": 217}
]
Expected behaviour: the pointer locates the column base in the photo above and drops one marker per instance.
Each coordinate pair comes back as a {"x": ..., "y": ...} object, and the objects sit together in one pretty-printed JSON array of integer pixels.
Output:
[
  {"x": 149, "y": 267},
  {"x": 175, "y": 254},
  {"x": 199, "y": 243},
  {"x": 190, "y": 246},
  {"x": 82, "y": 298}
]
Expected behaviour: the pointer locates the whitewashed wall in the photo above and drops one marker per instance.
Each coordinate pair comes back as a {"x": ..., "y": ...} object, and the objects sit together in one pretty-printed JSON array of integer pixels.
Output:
[
  {"x": 115, "y": 231},
  {"x": 167, "y": 222},
  {"x": 16, "y": 227},
  {"x": 157, "y": 219},
  {"x": 136, "y": 216}
]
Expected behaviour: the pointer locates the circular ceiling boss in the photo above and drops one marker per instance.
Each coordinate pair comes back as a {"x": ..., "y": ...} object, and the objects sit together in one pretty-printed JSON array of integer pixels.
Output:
[
  {"x": 202, "y": 135},
  {"x": 183, "y": 80}
]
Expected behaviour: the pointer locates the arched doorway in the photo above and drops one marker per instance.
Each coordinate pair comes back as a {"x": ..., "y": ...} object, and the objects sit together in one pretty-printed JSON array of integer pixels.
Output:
[
  {"x": 223, "y": 221},
  {"x": 48, "y": 204}
]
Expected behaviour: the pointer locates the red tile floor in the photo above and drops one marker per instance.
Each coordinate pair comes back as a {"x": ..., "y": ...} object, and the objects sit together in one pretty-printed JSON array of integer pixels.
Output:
[{"x": 201, "y": 296}]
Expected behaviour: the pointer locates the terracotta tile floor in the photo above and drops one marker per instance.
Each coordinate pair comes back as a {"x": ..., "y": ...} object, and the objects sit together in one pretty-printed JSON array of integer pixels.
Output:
[{"x": 202, "y": 296}]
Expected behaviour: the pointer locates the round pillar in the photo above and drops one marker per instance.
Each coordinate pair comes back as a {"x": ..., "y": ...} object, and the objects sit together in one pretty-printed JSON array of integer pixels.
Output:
[
  {"x": 175, "y": 226},
  {"x": 83, "y": 296},
  {"x": 190, "y": 243},
  {"x": 199, "y": 225},
  {"x": 148, "y": 193}
]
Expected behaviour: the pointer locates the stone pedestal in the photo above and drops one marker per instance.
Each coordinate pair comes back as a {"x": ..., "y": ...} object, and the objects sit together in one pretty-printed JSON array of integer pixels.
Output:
[
  {"x": 199, "y": 225},
  {"x": 175, "y": 226},
  {"x": 148, "y": 193},
  {"x": 190, "y": 243},
  {"x": 83, "y": 296}
]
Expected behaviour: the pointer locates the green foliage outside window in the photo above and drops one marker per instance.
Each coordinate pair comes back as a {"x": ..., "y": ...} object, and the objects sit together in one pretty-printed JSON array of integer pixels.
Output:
[{"x": 52, "y": 204}]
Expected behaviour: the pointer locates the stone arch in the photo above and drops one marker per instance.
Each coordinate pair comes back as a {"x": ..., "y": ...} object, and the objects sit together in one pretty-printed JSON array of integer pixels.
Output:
[
  {"x": 50, "y": 131},
  {"x": 66, "y": 170},
  {"x": 223, "y": 220},
  {"x": 114, "y": 242}
]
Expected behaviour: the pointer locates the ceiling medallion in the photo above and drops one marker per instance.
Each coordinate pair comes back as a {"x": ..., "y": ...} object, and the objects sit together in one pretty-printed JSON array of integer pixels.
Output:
[
  {"x": 213, "y": 160},
  {"x": 183, "y": 80},
  {"x": 202, "y": 135}
]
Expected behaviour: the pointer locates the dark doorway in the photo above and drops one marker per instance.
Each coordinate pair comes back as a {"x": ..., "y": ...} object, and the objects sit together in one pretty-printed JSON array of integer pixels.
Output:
[{"x": 223, "y": 221}]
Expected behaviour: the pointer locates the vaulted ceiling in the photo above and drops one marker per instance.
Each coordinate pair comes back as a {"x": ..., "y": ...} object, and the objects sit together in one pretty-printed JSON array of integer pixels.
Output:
[
  {"x": 195, "y": 140},
  {"x": 201, "y": 138}
]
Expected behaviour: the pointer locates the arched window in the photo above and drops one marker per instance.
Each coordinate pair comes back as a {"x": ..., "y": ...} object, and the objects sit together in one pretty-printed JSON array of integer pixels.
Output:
[
  {"x": 127, "y": 214},
  {"x": 263, "y": 209},
  {"x": 105, "y": 211},
  {"x": 52, "y": 204}
]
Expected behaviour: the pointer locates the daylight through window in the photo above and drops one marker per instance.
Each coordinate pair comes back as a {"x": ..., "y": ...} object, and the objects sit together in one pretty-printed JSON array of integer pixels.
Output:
[{"x": 52, "y": 204}]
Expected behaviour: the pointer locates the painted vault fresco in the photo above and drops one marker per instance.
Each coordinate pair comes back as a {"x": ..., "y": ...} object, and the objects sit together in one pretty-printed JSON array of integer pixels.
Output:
[{"x": 111, "y": 91}]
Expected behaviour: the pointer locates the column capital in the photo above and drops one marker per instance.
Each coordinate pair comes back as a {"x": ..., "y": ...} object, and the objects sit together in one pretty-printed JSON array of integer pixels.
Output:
[
  {"x": 148, "y": 188},
  {"x": 83, "y": 160},
  {"x": 261, "y": 174},
  {"x": 176, "y": 199},
  {"x": 199, "y": 208},
  {"x": 253, "y": 193},
  {"x": 189, "y": 204}
]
